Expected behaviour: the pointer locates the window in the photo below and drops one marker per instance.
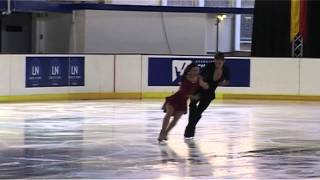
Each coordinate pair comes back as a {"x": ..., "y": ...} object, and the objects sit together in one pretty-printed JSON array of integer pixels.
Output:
[
  {"x": 218, "y": 3},
  {"x": 182, "y": 3},
  {"x": 246, "y": 22}
]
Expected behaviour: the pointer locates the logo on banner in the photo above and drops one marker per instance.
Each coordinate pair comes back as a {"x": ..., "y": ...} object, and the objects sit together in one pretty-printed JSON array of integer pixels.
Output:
[
  {"x": 178, "y": 67},
  {"x": 76, "y": 71},
  {"x": 54, "y": 69},
  {"x": 35, "y": 71}
]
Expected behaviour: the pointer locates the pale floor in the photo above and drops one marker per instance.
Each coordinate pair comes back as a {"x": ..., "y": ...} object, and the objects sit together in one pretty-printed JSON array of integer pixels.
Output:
[{"x": 118, "y": 139}]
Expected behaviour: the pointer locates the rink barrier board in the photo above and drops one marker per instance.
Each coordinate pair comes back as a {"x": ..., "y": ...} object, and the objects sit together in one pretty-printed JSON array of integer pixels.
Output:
[{"x": 109, "y": 82}]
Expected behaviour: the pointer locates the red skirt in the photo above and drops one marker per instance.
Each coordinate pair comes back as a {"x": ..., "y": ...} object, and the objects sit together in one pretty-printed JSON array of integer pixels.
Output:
[{"x": 179, "y": 103}]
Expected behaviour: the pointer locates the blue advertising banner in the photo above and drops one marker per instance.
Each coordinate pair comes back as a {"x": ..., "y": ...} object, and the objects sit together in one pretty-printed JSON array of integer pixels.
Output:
[
  {"x": 54, "y": 71},
  {"x": 57, "y": 69},
  {"x": 35, "y": 72},
  {"x": 166, "y": 71},
  {"x": 76, "y": 71}
]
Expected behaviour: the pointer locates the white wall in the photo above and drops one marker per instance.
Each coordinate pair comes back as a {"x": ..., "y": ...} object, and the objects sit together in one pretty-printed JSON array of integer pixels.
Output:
[
  {"x": 57, "y": 33},
  {"x": 94, "y": 31},
  {"x": 309, "y": 79},
  {"x": 128, "y": 70},
  {"x": 55, "y": 28},
  {"x": 5, "y": 74},
  {"x": 99, "y": 75},
  {"x": 211, "y": 33},
  {"x": 123, "y": 32},
  {"x": 78, "y": 34},
  {"x": 140, "y": 32},
  {"x": 275, "y": 76},
  {"x": 186, "y": 32}
]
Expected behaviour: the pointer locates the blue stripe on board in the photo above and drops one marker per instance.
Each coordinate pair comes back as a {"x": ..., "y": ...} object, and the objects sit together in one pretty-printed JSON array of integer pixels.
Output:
[
  {"x": 164, "y": 8},
  {"x": 30, "y": 6},
  {"x": 3, "y": 5}
]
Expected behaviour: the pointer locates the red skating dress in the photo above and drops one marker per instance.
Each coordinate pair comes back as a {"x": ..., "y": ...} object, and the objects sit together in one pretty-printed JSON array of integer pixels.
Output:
[{"x": 179, "y": 99}]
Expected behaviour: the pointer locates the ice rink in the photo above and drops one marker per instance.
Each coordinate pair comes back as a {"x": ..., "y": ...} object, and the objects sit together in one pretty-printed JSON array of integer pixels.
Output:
[{"x": 118, "y": 139}]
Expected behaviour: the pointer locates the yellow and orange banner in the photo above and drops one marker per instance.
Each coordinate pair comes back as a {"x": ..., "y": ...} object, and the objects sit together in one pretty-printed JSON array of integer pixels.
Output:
[{"x": 298, "y": 18}]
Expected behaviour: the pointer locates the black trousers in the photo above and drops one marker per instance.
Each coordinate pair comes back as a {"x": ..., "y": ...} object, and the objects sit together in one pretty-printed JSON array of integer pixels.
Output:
[{"x": 196, "y": 108}]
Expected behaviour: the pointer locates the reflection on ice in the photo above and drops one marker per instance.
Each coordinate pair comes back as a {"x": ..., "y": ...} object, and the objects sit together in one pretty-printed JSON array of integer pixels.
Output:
[{"x": 118, "y": 139}]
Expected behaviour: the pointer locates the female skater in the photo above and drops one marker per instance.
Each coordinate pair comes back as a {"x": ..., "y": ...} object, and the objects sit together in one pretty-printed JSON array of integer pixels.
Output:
[{"x": 176, "y": 105}]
